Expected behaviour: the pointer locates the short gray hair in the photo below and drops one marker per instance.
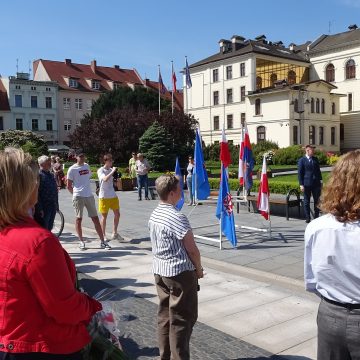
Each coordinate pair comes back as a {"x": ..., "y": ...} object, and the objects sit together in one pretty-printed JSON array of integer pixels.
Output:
[
  {"x": 42, "y": 159},
  {"x": 165, "y": 184}
]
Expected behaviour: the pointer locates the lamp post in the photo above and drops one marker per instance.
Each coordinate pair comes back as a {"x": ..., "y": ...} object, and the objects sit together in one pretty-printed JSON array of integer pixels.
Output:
[{"x": 300, "y": 110}]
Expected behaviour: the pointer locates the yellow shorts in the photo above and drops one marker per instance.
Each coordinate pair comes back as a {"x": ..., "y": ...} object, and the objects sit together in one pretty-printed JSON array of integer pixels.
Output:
[{"x": 106, "y": 204}]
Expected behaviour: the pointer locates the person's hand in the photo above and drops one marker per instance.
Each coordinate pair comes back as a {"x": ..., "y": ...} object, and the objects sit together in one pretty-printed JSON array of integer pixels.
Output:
[
  {"x": 200, "y": 272},
  {"x": 114, "y": 169},
  {"x": 302, "y": 188}
]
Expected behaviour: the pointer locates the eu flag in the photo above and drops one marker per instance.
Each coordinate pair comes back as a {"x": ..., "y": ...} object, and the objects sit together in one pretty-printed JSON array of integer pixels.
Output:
[
  {"x": 187, "y": 75},
  {"x": 224, "y": 209},
  {"x": 200, "y": 181},
  {"x": 180, "y": 203}
]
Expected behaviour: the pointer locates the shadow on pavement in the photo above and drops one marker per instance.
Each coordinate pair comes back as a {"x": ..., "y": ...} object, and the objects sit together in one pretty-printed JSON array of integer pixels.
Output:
[{"x": 275, "y": 357}]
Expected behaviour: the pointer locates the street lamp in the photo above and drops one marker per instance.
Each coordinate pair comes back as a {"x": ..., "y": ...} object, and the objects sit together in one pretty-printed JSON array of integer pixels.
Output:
[{"x": 300, "y": 109}]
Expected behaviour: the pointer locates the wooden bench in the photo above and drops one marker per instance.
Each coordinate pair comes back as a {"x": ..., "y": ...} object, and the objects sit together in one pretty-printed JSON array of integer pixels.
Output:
[{"x": 289, "y": 201}]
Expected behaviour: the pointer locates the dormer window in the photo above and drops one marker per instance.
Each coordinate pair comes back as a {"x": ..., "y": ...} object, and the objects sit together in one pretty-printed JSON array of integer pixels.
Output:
[
  {"x": 73, "y": 83},
  {"x": 95, "y": 84},
  {"x": 116, "y": 86}
]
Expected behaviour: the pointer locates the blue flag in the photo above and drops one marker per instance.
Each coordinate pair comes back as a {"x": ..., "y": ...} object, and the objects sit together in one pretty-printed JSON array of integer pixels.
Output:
[
  {"x": 187, "y": 75},
  {"x": 180, "y": 203},
  {"x": 224, "y": 209},
  {"x": 200, "y": 181}
]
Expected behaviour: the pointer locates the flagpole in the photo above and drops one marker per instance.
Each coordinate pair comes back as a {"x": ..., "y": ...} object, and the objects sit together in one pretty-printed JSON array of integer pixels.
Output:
[
  {"x": 172, "y": 93},
  {"x": 186, "y": 92},
  {"x": 159, "y": 88}
]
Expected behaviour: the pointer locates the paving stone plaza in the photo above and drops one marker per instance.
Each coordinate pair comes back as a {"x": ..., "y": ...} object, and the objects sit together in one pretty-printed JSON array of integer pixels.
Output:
[{"x": 252, "y": 302}]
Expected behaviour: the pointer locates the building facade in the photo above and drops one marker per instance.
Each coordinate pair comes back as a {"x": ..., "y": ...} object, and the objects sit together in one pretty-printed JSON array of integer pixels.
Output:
[
  {"x": 80, "y": 85},
  {"x": 261, "y": 82},
  {"x": 32, "y": 106},
  {"x": 336, "y": 59}
]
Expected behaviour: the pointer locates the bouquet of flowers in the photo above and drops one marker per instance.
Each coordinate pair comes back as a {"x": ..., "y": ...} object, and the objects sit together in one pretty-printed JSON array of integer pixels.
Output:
[{"x": 104, "y": 331}]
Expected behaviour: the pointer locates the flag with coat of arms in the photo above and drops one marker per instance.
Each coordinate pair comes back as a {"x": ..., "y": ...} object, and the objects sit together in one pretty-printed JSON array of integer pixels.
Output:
[
  {"x": 264, "y": 193},
  {"x": 225, "y": 206},
  {"x": 246, "y": 160}
]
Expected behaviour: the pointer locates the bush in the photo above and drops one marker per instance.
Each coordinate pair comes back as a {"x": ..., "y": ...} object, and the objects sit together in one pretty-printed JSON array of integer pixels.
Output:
[
  {"x": 322, "y": 157},
  {"x": 332, "y": 159},
  {"x": 275, "y": 187},
  {"x": 212, "y": 154},
  {"x": 288, "y": 156},
  {"x": 260, "y": 148}
]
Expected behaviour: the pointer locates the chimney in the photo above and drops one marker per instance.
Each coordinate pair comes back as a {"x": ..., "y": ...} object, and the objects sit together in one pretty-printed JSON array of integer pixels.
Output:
[
  {"x": 352, "y": 27},
  {"x": 117, "y": 67},
  {"x": 237, "y": 41},
  {"x": 261, "y": 38},
  {"x": 68, "y": 62},
  {"x": 225, "y": 46},
  {"x": 93, "y": 66},
  {"x": 292, "y": 46}
]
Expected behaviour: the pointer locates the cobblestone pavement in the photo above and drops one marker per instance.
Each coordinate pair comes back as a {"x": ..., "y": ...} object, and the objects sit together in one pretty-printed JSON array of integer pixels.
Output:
[{"x": 138, "y": 331}]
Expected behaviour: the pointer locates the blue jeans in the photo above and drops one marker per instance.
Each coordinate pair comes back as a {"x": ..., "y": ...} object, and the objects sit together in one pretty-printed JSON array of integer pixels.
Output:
[
  {"x": 142, "y": 181},
  {"x": 189, "y": 186}
]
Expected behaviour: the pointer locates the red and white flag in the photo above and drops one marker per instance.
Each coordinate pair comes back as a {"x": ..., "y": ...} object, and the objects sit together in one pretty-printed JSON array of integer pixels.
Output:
[
  {"x": 225, "y": 156},
  {"x": 173, "y": 78},
  {"x": 263, "y": 197}
]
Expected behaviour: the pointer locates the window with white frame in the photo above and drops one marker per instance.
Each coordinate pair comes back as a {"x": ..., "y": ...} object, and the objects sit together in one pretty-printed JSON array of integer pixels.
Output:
[
  {"x": 258, "y": 107},
  {"x": 229, "y": 72},
  {"x": 261, "y": 134},
  {"x": 48, "y": 102},
  {"x": 33, "y": 88},
  {"x": 350, "y": 101},
  {"x": 19, "y": 124},
  {"x": 216, "y": 123},
  {"x": 67, "y": 126},
  {"x": 66, "y": 103},
  {"x": 78, "y": 104},
  {"x": 73, "y": 83},
  {"x": 216, "y": 98},
  {"x": 34, "y": 124},
  {"x": 49, "y": 125},
  {"x": 242, "y": 69},
  {"x": 242, "y": 93},
  {"x": 215, "y": 75},
  {"x": 229, "y": 121},
  {"x": 229, "y": 96},
  {"x": 95, "y": 84},
  {"x": 242, "y": 118},
  {"x": 18, "y": 100},
  {"x": 312, "y": 135},
  {"x": 89, "y": 104}
]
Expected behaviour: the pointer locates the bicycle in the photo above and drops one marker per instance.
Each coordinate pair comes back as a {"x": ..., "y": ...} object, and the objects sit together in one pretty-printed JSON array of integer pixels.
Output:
[{"x": 59, "y": 223}]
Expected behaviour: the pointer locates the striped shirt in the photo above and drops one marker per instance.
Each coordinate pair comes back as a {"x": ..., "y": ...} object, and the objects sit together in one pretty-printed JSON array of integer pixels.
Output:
[{"x": 167, "y": 228}]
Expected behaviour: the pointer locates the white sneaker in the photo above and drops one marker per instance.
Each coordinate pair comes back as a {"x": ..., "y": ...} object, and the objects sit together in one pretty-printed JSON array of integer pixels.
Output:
[
  {"x": 117, "y": 237},
  {"x": 105, "y": 245},
  {"x": 82, "y": 245}
]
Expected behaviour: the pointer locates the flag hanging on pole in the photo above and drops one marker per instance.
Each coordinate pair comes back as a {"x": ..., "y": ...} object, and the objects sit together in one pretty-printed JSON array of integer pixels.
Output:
[
  {"x": 264, "y": 193},
  {"x": 246, "y": 161},
  {"x": 200, "y": 181},
  {"x": 162, "y": 88},
  {"x": 225, "y": 156},
  {"x": 178, "y": 173},
  {"x": 224, "y": 209},
  {"x": 173, "y": 78},
  {"x": 187, "y": 75}
]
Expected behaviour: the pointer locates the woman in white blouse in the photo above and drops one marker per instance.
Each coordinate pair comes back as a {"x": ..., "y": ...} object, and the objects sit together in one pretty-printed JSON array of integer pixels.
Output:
[{"x": 332, "y": 262}]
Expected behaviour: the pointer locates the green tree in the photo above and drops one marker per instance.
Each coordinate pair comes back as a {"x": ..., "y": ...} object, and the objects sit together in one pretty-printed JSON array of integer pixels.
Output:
[
  {"x": 157, "y": 147},
  {"x": 139, "y": 99},
  {"x": 27, "y": 140}
]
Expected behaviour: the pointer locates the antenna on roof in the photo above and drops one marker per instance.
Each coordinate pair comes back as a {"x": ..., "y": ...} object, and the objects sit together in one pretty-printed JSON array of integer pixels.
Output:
[
  {"x": 330, "y": 24},
  {"x": 17, "y": 65},
  {"x": 29, "y": 68}
]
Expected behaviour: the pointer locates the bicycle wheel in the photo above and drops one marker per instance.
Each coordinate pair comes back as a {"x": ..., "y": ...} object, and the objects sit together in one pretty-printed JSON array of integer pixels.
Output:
[{"x": 58, "y": 226}]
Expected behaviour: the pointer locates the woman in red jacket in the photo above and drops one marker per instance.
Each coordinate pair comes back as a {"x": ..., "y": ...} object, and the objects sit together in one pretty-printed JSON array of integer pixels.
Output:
[{"x": 42, "y": 315}]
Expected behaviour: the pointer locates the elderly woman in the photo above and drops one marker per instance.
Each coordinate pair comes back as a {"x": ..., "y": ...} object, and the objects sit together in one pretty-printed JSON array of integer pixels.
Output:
[
  {"x": 43, "y": 316},
  {"x": 177, "y": 268},
  {"x": 332, "y": 262}
]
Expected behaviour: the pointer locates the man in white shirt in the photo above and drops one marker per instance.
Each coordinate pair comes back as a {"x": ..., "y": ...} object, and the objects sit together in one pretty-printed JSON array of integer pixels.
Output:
[
  {"x": 78, "y": 184},
  {"x": 107, "y": 196},
  {"x": 142, "y": 168}
]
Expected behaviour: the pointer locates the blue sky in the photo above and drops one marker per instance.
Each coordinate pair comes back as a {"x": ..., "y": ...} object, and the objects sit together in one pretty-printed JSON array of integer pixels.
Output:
[{"x": 145, "y": 33}]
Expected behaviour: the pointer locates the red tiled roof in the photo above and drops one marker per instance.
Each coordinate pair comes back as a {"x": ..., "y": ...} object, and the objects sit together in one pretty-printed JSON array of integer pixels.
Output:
[
  {"x": 178, "y": 96},
  {"x": 4, "y": 100},
  {"x": 58, "y": 71}
]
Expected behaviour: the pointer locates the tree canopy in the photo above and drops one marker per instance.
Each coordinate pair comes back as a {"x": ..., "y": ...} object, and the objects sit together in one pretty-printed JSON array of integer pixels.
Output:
[{"x": 27, "y": 140}]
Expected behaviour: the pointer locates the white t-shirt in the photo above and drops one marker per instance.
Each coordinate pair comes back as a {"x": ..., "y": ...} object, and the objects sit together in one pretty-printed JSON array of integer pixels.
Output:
[
  {"x": 142, "y": 167},
  {"x": 106, "y": 187},
  {"x": 80, "y": 176}
]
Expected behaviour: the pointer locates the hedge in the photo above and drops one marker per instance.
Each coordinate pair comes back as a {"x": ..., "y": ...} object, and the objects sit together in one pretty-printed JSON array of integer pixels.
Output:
[{"x": 275, "y": 187}]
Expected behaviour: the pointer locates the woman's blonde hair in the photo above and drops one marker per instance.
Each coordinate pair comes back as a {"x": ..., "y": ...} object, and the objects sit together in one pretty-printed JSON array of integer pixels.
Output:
[
  {"x": 341, "y": 196},
  {"x": 18, "y": 177}
]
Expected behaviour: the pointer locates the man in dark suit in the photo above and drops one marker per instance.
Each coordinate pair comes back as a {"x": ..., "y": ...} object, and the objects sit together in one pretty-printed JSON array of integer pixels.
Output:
[{"x": 310, "y": 180}]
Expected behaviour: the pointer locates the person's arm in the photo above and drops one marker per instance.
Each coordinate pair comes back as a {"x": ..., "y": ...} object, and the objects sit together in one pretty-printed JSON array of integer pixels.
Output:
[
  {"x": 107, "y": 177},
  {"x": 309, "y": 277},
  {"x": 53, "y": 284},
  {"x": 301, "y": 173},
  {"x": 69, "y": 186},
  {"x": 193, "y": 252}
]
